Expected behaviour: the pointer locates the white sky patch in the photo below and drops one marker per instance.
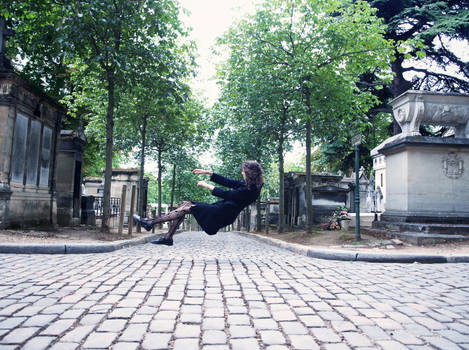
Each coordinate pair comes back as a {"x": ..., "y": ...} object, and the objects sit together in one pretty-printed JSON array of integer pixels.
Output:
[{"x": 209, "y": 19}]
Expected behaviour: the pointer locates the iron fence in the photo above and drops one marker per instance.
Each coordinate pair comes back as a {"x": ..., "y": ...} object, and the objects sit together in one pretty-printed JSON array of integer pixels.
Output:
[{"x": 115, "y": 204}]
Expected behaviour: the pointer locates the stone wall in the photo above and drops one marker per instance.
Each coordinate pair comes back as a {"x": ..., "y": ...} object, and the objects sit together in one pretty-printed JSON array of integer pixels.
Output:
[{"x": 29, "y": 122}]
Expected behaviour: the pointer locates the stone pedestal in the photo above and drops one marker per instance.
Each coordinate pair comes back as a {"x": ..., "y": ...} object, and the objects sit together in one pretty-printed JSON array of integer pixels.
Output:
[{"x": 427, "y": 178}]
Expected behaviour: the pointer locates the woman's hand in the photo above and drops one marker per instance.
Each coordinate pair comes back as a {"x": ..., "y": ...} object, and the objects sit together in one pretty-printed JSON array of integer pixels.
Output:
[
  {"x": 202, "y": 171},
  {"x": 206, "y": 185}
]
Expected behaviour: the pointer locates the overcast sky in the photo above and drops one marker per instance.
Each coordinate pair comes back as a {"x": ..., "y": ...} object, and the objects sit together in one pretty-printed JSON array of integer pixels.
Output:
[{"x": 209, "y": 19}]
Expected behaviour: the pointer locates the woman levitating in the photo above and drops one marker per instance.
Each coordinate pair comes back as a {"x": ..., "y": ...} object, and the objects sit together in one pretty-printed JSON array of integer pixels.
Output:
[{"x": 212, "y": 217}]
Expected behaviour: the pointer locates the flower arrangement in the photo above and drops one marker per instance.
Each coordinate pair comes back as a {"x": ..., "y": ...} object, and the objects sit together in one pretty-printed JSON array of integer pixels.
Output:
[{"x": 337, "y": 217}]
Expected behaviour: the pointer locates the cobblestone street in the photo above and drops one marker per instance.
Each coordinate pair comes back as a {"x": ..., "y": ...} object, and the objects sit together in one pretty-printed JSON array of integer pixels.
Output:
[{"x": 228, "y": 292}]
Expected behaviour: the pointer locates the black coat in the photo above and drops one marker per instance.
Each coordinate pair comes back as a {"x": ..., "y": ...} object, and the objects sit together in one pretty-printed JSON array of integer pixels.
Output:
[{"x": 212, "y": 217}]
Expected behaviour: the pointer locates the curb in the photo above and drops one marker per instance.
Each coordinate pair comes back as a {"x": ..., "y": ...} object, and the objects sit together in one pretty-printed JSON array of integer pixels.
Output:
[
  {"x": 74, "y": 248},
  {"x": 347, "y": 255}
]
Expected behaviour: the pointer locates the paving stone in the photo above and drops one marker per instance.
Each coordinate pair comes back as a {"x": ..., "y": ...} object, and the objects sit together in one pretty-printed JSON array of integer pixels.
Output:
[
  {"x": 245, "y": 344},
  {"x": 65, "y": 346},
  {"x": 265, "y": 324},
  {"x": 429, "y": 323},
  {"x": 58, "y": 327},
  {"x": 134, "y": 333},
  {"x": 375, "y": 333},
  {"x": 38, "y": 343},
  {"x": 11, "y": 322},
  {"x": 215, "y": 347},
  {"x": 406, "y": 338},
  {"x": 19, "y": 335},
  {"x": 312, "y": 321},
  {"x": 162, "y": 326},
  {"x": 122, "y": 312},
  {"x": 91, "y": 319},
  {"x": 156, "y": 341},
  {"x": 391, "y": 345},
  {"x": 242, "y": 332},
  {"x": 214, "y": 337},
  {"x": 272, "y": 337},
  {"x": 214, "y": 312},
  {"x": 303, "y": 342},
  {"x": 292, "y": 328},
  {"x": 441, "y": 343},
  {"x": 77, "y": 334},
  {"x": 238, "y": 320},
  {"x": 125, "y": 346},
  {"x": 101, "y": 340},
  {"x": 187, "y": 331},
  {"x": 213, "y": 323},
  {"x": 186, "y": 344},
  {"x": 336, "y": 347},
  {"x": 343, "y": 326},
  {"x": 191, "y": 318},
  {"x": 388, "y": 324},
  {"x": 283, "y": 315},
  {"x": 325, "y": 335},
  {"x": 356, "y": 339},
  {"x": 454, "y": 336},
  {"x": 113, "y": 326}
]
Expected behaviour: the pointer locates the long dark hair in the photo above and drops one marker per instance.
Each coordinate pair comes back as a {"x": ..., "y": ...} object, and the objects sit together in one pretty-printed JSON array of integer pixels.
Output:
[{"x": 253, "y": 172}]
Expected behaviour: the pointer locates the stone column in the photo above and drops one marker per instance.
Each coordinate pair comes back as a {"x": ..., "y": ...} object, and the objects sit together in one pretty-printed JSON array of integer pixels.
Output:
[{"x": 7, "y": 116}]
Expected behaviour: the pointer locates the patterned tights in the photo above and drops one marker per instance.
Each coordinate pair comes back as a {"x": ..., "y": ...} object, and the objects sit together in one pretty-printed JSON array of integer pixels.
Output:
[{"x": 176, "y": 216}]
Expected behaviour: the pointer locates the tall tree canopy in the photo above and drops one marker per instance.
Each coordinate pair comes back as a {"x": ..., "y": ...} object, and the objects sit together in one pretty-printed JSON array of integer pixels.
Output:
[
  {"x": 112, "y": 43},
  {"x": 316, "y": 51}
]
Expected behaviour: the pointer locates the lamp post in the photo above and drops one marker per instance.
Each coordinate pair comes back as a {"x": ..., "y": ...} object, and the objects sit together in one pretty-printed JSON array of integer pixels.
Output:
[{"x": 356, "y": 141}]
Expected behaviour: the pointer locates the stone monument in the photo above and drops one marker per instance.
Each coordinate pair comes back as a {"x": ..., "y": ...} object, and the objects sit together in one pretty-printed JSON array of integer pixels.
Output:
[
  {"x": 29, "y": 125},
  {"x": 427, "y": 180},
  {"x": 69, "y": 177}
]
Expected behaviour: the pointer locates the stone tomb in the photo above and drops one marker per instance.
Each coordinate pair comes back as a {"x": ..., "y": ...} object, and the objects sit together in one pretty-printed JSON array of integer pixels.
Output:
[
  {"x": 29, "y": 123},
  {"x": 120, "y": 177},
  {"x": 69, "y": 177},
  {"x": 427, "y": 181},
  {"x": 328, "y": 192}
]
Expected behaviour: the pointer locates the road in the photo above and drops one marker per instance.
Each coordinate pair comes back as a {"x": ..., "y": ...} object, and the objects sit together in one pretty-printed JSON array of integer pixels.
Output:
[{"x": 228, "y": 292}]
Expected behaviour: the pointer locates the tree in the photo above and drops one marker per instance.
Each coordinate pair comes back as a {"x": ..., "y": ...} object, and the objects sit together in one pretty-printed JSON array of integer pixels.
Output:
[
  {"x": 257, "y": 101},
  {"x": 320, "y": 48},
  {"x": 429, "y": 34},
  {"x": 110, "y": 40}
]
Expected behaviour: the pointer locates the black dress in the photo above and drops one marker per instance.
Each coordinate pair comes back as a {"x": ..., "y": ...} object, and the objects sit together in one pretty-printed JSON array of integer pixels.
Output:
[{"x": 212, "y": 217}]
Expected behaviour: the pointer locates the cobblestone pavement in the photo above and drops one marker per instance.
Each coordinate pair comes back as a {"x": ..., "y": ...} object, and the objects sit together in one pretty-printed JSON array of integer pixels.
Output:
[{"x": 228, "y": 292}]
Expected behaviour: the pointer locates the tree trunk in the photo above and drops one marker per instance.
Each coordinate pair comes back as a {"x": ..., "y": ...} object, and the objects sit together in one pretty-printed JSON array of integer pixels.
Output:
[
  {"x": 258, "y": 217},
  {"x": 109, "y": 146},
  {"x": 308, "y": 194},
  {"x": 141, "y": 210},
  {"x": 173, "y": 185},
  {"x": 160, "y": 171},
  {"x": 281, "y": 183}
]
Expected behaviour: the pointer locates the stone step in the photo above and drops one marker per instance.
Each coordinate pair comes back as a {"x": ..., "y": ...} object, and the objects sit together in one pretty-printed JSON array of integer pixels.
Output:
[{"x": 430, "y": 228}]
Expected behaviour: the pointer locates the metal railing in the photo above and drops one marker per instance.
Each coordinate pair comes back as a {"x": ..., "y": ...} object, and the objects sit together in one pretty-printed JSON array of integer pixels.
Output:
[{"x": 115, "y": 204}]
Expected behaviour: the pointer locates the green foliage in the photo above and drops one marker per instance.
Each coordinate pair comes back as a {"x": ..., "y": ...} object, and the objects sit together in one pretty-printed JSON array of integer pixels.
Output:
[{"x": 423, "y": 30}]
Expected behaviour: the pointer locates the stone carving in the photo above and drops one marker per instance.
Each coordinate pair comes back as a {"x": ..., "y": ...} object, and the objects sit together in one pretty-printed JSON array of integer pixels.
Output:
[
  {"x": 5, "y": 89},
  {"x": 453, "y": 166},
  {"x": 414, "y": 108}
]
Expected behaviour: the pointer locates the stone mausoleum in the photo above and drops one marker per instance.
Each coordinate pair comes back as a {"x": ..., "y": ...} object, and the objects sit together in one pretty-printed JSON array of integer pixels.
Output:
[
  {"x": 427, "y": 178},
  {"x": 29, "y": 127}
]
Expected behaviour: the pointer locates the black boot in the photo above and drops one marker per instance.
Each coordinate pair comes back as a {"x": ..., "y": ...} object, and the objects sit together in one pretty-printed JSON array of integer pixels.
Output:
[
  {"x": 167, "y": 239},
  {"x": 143, "y": 223},
  {"x": 163, "y": 240}
]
